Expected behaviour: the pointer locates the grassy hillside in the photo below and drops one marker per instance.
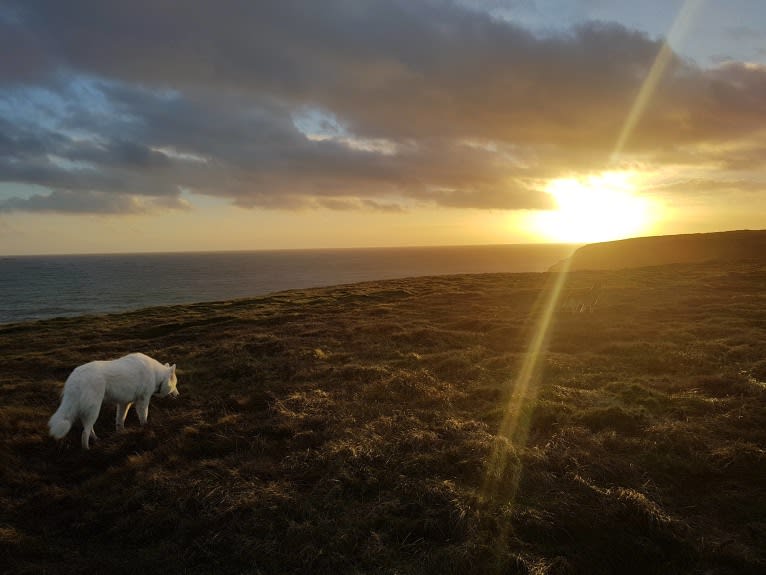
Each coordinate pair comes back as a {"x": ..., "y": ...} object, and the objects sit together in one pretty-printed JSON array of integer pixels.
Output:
[
  {"x": 663, "y": 250},
  {"x": 354, "y": 430}
]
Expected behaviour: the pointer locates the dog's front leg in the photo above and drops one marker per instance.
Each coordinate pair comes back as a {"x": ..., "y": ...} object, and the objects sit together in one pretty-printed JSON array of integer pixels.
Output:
[
  {"x": 142, "y": 409},
  {"x": 122, "y": 413}
]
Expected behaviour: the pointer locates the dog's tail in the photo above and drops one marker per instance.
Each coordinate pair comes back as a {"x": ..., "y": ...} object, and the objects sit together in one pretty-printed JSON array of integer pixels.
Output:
[{"x": 61, "y": 422}]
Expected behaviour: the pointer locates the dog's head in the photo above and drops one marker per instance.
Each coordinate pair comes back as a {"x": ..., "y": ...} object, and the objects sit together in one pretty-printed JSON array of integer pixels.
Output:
[{"x": 170, "y": 385}]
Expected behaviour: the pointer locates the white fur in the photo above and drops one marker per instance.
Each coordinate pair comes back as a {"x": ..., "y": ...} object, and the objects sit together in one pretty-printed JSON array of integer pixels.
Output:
[{"x": 131, "y": 379}]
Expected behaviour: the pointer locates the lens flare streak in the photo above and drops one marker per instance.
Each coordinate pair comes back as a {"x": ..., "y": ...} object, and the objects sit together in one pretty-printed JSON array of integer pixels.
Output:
[
  {"x": 514, "y": 427},
  {"x": 678, "y": 30}
]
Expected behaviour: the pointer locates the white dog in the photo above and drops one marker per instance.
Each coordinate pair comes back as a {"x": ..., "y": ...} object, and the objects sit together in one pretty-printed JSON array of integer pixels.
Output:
[{"x": 134, "y": 378}]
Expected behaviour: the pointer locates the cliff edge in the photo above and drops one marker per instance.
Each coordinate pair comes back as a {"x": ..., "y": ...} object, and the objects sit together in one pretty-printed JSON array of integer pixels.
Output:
[{"x": 661, "y": 250}]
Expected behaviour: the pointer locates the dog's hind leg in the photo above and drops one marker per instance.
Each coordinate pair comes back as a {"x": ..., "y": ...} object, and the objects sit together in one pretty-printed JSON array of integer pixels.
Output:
[
  {"x": 87, "y": 430},
  {"x": 122, "y": 412}
]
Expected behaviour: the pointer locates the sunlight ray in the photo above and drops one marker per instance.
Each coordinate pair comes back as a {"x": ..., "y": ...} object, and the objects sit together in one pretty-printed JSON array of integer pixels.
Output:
[
  {"x": 649, "y": 85},
  {"x": 514, "y": 427}
]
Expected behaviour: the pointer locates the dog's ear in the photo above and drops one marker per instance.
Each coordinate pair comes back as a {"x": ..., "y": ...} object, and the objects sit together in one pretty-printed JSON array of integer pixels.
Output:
[
  {"x": 173, "y": 368},
  {"x": 167, "y": 364}
]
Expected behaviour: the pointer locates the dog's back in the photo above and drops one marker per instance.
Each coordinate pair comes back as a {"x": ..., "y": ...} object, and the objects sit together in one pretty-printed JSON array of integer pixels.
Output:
[{"x": 127, "y": 377}]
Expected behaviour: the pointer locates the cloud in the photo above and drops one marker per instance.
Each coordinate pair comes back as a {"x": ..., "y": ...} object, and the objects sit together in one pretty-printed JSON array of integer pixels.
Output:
[
  {"x": 354, "y": 204},
  {"x": 710, "y": 186},
  {"x": 418, "y": 102},
  {"x": 91, "y": 202},
  {"x": 245, "y": 149},
  {"x": 29, "y": 62}
]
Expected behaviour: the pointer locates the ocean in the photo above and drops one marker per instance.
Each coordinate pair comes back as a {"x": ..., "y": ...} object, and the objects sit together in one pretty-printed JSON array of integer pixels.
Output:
[{"x": 38, "y": 287}]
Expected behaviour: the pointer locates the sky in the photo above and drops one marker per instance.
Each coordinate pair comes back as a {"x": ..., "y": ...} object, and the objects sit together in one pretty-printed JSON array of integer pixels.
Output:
[{"x": 160, "y": 125}]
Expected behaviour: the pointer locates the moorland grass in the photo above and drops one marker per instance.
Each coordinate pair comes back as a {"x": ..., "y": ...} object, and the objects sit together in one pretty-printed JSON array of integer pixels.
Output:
[{"x": 350, "y": 429}]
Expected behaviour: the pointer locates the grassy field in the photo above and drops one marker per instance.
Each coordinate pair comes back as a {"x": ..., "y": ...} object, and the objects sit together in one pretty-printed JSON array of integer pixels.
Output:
[{"x": 355, "y": 430}]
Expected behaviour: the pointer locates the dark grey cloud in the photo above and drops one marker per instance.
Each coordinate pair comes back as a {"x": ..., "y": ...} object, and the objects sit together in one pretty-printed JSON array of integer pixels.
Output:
[
  {"x": 24, "y": 58},
  {"x": 429, "y": 101},
  {"x": 390, "y": 69},
  {"x": 89, "y": 202},
  {"x": 245, "y": 149},
  {"x": 45, "y": 157}
]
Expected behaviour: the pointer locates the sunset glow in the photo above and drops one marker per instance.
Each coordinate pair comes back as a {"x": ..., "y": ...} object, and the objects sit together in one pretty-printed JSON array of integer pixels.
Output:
[
  {"x": 383, "y": 124},
  {"x": 596, "y": 209}
]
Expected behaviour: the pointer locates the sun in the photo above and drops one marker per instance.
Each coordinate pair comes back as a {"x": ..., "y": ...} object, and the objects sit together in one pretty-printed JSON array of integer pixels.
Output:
[{"x": 595, "y": 209}]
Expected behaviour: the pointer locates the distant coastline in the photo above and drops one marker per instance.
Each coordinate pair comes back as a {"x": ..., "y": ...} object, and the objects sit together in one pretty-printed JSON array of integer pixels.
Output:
[{"x": 39, "y": 287}]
